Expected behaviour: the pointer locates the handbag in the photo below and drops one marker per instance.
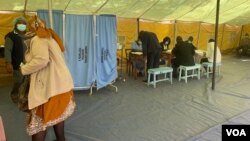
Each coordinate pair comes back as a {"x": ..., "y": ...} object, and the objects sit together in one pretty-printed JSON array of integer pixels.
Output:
[{"x": 23, "y": 92}]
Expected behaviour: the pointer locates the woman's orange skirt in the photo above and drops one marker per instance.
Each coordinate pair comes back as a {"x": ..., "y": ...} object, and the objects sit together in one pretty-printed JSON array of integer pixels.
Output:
[{"x": 56, "y": 110}]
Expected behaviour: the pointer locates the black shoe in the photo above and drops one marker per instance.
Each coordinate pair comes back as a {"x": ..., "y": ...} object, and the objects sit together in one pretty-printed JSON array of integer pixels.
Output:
[
  {"x": 146, "y": 81},
  {"x": 14, "y": 98},
  {"x": 175, "y": 76},
  {"x": 140, "y": 74}
]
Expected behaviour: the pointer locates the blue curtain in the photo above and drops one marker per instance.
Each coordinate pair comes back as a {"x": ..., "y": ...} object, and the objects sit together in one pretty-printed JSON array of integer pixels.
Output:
[
  {"x": 105, "y": 50},
  {"x": 57, "y": 16},
  {"x": 89, "y": 59},
  {"x": 79, "y": 53}
]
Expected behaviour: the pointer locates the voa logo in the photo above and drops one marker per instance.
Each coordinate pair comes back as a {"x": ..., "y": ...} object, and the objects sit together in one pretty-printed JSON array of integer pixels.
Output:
[{"x": 236, "y": 132}]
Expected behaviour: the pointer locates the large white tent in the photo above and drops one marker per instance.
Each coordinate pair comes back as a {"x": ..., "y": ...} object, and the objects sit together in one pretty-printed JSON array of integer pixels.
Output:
[
  {"x": 175, "y": 112},
  {"x": 231, "y": 11}
]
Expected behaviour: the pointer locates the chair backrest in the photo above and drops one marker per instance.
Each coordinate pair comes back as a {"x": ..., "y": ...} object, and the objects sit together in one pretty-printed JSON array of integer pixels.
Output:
[{"x": 127, "y": 52}]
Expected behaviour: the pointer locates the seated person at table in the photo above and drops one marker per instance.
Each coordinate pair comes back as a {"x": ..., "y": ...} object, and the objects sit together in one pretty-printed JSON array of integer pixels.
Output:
[
  {"x": 138, "y": 64},
  {"x": 137, "y": 46},
  {"x": 183, "y": 54},
  {"x": 197, "y": 57},
  {"x": 209, "y": 56},
  {"x": 165, "y": 43},
  {"x": 190, "y": 41},
  {"x": 164, "y": 46},
  {"x": 244, "y": 45}
]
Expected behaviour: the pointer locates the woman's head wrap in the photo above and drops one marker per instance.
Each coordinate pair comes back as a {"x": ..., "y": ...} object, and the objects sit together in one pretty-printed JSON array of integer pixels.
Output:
[{"x": 38, "y": 26}]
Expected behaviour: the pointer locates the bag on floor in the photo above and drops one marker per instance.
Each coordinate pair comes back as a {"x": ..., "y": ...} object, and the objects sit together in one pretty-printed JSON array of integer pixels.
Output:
[{"x": 23, "y": 92}]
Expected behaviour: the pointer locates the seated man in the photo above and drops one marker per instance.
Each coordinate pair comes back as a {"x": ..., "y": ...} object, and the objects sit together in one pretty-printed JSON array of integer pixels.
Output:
[
  {"x": 190, "y": 41},
  {"x": 138, "y": 64},
  {"x": 184, "y": 55},
  {"x": 244, "y": 45}
]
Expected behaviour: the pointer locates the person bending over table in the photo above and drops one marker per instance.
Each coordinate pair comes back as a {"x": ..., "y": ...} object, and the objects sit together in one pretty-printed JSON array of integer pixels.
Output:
[{"x": 151, "y": 49}]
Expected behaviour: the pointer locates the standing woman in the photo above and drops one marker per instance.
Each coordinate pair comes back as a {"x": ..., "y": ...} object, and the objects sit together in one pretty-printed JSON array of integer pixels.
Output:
[{"x": 51, "y": 99}]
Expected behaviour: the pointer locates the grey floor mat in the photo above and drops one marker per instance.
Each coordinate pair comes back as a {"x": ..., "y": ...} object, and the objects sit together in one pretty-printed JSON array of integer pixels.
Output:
[{"x": 176, "y": 112}]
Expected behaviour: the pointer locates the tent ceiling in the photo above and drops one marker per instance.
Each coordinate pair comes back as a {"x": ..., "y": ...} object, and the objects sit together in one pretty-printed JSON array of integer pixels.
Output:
[{"x": 231, "y": 11}]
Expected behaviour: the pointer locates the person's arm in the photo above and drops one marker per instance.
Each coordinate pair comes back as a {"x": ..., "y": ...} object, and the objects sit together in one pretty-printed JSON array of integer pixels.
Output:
[
  {"x": 133, "y": 46},
  {"x": 144, "y": 48},
  {"x": 8, "y": 46},
  {"x": 193, "y": 50},
  {"x": 40, "y": 57},
  {"x": 209, "y": 51},
  {"x": 174, "y": 50}
]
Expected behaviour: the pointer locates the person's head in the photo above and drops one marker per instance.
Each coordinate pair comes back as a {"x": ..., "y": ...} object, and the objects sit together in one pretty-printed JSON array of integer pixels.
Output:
[
  {"x": 20, "y": 24},
  {"x": 179, "y": 39},
  {"x": 38, "y": 26},
  {"x": 246, "y": 35},
  {"x": 166, "y": 40},
  {"x": 211, "y": 40},
  {"x": 190, "y": 38},
  {"x": 35, "y": 23},
  {"x": 141, "y": 34}
]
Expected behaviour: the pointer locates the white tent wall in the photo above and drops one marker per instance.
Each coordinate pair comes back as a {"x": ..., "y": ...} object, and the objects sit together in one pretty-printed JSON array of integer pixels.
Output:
[
  {"x": 235, "y": 12},
  {"x": 229, "y": 35},
  {"x": 165, "y": 18},
  {"x": 232, "y": 12}
]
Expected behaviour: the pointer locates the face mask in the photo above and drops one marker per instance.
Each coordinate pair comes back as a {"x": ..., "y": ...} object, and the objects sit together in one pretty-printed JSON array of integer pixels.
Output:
[
  {"x": 190, "y": 42},
  {"x": 21, "y": 27}
]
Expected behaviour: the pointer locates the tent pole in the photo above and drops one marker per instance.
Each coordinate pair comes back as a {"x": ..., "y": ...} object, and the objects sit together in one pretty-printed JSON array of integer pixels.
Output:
[
  {"x": 216, "y": 39},
  {"x": 175, "y": 30},
  {"x": 199, "y": 35},
  {"x": 101, "y": 7},
  {"x": 67, "y": 5},
  {"x": 50, "y": 13},
  {"x": 63, "y": 28},
  {"x": 25, "y": 7},
  {"x": 241, "y": 32},
  {"x": 222, "y": 37},
  {"x": 138, "y": 26},
  {"x": 149, "y": 8}
]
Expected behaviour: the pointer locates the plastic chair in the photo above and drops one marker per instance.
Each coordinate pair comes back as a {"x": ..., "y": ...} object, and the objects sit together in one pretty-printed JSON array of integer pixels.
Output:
[
  {"x": 128, "y": 61},
  {"x": 157, "y": 71},
  {"x": 208, "y": 66},
  {"x": 195, "y": 72}
]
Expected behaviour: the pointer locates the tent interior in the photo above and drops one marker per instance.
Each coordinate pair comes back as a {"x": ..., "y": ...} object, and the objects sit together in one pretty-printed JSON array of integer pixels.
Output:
[
  {"x": 164, "y": 17},
  {"x": 177, "y": 112}
]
